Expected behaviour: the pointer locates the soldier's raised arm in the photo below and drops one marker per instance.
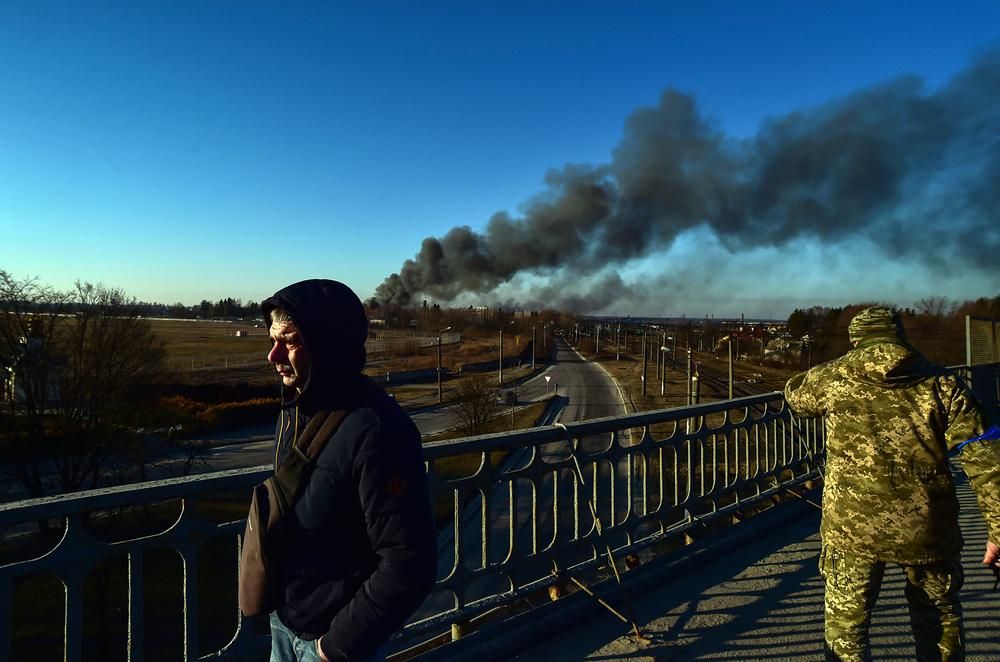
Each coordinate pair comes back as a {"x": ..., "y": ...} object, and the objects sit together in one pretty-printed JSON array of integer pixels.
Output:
[
  {"x": 980, "y": 456},
  {"x": 803, "y": 392}
]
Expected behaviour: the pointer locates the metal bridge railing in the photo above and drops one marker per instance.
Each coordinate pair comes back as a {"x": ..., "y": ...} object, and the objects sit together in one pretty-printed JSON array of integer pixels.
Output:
[
  {"x": 510, "y": 507},
  {"x": 522, "y": 512}
]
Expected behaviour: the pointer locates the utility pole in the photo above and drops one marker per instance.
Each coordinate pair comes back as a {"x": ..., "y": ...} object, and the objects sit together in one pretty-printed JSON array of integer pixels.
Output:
[
  {"x": 500, "y": 371},
  {"x": 440, "y": 390},
  {"x": 689, "y": 375},
  {"x": 618, "y": 342},
  {"x": 730, "y": 344},
  {"x": 663, "y": 373},
  {"x": 658, "y": 354},
  {"x": 533, "y": 346},
  {"x": 693, "y": 391}
]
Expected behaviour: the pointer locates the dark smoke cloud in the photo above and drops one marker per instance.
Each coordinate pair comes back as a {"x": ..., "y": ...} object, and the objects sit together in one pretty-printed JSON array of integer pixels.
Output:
[{"x": 915, "y": 173}]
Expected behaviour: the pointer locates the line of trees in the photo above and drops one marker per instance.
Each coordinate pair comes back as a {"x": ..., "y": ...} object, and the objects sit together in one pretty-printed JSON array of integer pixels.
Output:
[
  {"x": 71, "y": 363},
  {"x": 935, "y": 325},
  {"x": 228, "y": 308}
]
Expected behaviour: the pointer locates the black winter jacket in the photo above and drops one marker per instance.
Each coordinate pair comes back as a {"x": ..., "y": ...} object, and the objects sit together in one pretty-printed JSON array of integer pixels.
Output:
[{"x": 362, "y": 554}]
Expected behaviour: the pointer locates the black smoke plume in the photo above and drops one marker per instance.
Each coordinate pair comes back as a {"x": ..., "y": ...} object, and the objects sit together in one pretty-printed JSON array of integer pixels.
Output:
[{"x": 915, "y": 173}]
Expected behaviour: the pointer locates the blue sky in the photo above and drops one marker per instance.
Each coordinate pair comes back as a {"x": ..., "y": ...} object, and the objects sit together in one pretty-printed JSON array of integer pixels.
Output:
[{"x": 190, "y": 150}]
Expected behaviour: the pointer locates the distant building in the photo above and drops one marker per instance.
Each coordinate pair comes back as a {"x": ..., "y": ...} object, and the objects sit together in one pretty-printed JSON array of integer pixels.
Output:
[{"x": 29, "y": 355}]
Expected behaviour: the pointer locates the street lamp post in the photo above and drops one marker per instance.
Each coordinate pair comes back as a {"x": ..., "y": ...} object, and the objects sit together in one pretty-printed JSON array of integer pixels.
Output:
[
  {"x": 689, "y": 375},
  {"x": 644, "y": 363},
  {"x": 658, "y": 355},
  {"x": 618, "y": 343},
  {"x": 663, "y": 375},
  {"x": 500, "y": 365},
  {"x": 533, "y": 347},
  {"x": 500, "y": 371},
  {"x": 663, "y": 349},
  {"x": 440, "y": 391},
  {"x": 730, "y": 345}
]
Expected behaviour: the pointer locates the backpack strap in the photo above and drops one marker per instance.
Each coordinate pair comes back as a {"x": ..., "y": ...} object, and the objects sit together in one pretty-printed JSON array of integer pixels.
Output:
[
  {"x": 315, "y": 435},
  {"x": 331, "y": 422},
  {"x": 293, "y": 472}
]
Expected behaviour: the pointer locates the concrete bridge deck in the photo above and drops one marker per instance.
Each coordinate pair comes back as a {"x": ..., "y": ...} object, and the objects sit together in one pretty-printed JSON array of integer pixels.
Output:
[{"x": 754, "y": 594}]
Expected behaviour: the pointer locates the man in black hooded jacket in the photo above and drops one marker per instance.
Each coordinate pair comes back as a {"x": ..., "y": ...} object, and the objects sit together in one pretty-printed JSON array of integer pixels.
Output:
[{"x": 362, "y": 555}]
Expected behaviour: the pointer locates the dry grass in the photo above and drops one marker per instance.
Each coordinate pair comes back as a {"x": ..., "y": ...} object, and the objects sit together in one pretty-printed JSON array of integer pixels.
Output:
[
  {"x": 404, "y": 354},
  {"x": 185, "y": 339},
  {"x": 197, "y": 347}
]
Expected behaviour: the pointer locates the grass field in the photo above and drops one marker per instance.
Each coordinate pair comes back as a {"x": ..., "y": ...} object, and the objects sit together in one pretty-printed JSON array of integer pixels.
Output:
[
  {"x": 210, "y": 352},
  {"x": 197, "y": 338}
]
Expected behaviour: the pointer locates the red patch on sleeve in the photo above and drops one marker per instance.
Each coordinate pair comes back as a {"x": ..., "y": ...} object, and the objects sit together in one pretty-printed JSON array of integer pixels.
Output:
[{"x": 396, "y": 486}]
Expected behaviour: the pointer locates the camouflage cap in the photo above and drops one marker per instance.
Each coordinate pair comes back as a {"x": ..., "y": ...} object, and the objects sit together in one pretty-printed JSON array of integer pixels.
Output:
[{"x": 876, "y": 321}]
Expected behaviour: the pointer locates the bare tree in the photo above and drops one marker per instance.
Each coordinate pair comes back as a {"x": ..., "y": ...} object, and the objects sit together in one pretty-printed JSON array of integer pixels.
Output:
[
  {"x": 931, "y": 312},
  {"x": 935, "y": 306},
  {"x": 75, "y": 360},
  {"x": 478, "y": 404}
]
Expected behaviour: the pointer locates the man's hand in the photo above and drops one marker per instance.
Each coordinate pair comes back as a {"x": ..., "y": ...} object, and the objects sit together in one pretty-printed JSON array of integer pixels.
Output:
[
  {"x": 319, "y": 649},
  {"x": 992, "y": 557}
]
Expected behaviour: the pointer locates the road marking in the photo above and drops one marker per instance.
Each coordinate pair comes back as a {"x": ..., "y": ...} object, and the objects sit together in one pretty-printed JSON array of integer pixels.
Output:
[{"x": 621, "y": 396}]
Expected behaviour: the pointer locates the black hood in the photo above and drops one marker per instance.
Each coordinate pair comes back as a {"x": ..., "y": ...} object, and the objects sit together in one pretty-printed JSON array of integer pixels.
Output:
[{"x": 331, "y": 321}]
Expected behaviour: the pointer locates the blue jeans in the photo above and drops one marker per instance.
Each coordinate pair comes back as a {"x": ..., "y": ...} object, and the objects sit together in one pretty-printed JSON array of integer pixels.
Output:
[{"x": 287, "y": 647}]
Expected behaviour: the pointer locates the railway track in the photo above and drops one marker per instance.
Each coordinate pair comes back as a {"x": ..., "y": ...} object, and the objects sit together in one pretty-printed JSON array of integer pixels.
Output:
[{"x": 747, "y": 379}]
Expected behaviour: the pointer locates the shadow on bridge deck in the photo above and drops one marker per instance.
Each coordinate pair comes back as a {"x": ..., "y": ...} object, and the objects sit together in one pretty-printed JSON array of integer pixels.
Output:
[{"x": 754, "y": 595}]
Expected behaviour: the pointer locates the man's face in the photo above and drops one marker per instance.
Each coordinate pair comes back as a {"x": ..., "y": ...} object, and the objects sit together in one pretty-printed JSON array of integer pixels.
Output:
[{"x": 289, "y": 355}]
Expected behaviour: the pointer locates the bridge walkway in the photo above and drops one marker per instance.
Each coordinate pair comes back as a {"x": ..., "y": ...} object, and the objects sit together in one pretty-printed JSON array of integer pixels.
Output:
[{"x": 764, "y": 601}]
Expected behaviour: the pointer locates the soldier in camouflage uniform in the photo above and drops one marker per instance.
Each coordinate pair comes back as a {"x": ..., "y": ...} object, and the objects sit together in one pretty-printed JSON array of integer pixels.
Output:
[{"x": 891, "y": 418}]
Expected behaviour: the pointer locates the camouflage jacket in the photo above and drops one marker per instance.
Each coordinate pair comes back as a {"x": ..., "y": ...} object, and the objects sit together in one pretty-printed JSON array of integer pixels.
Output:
[{"x": 891, "y": 418}]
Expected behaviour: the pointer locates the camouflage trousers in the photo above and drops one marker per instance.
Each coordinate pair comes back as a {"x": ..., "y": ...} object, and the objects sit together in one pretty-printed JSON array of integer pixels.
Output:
[{"x": 852, "y": 587}]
